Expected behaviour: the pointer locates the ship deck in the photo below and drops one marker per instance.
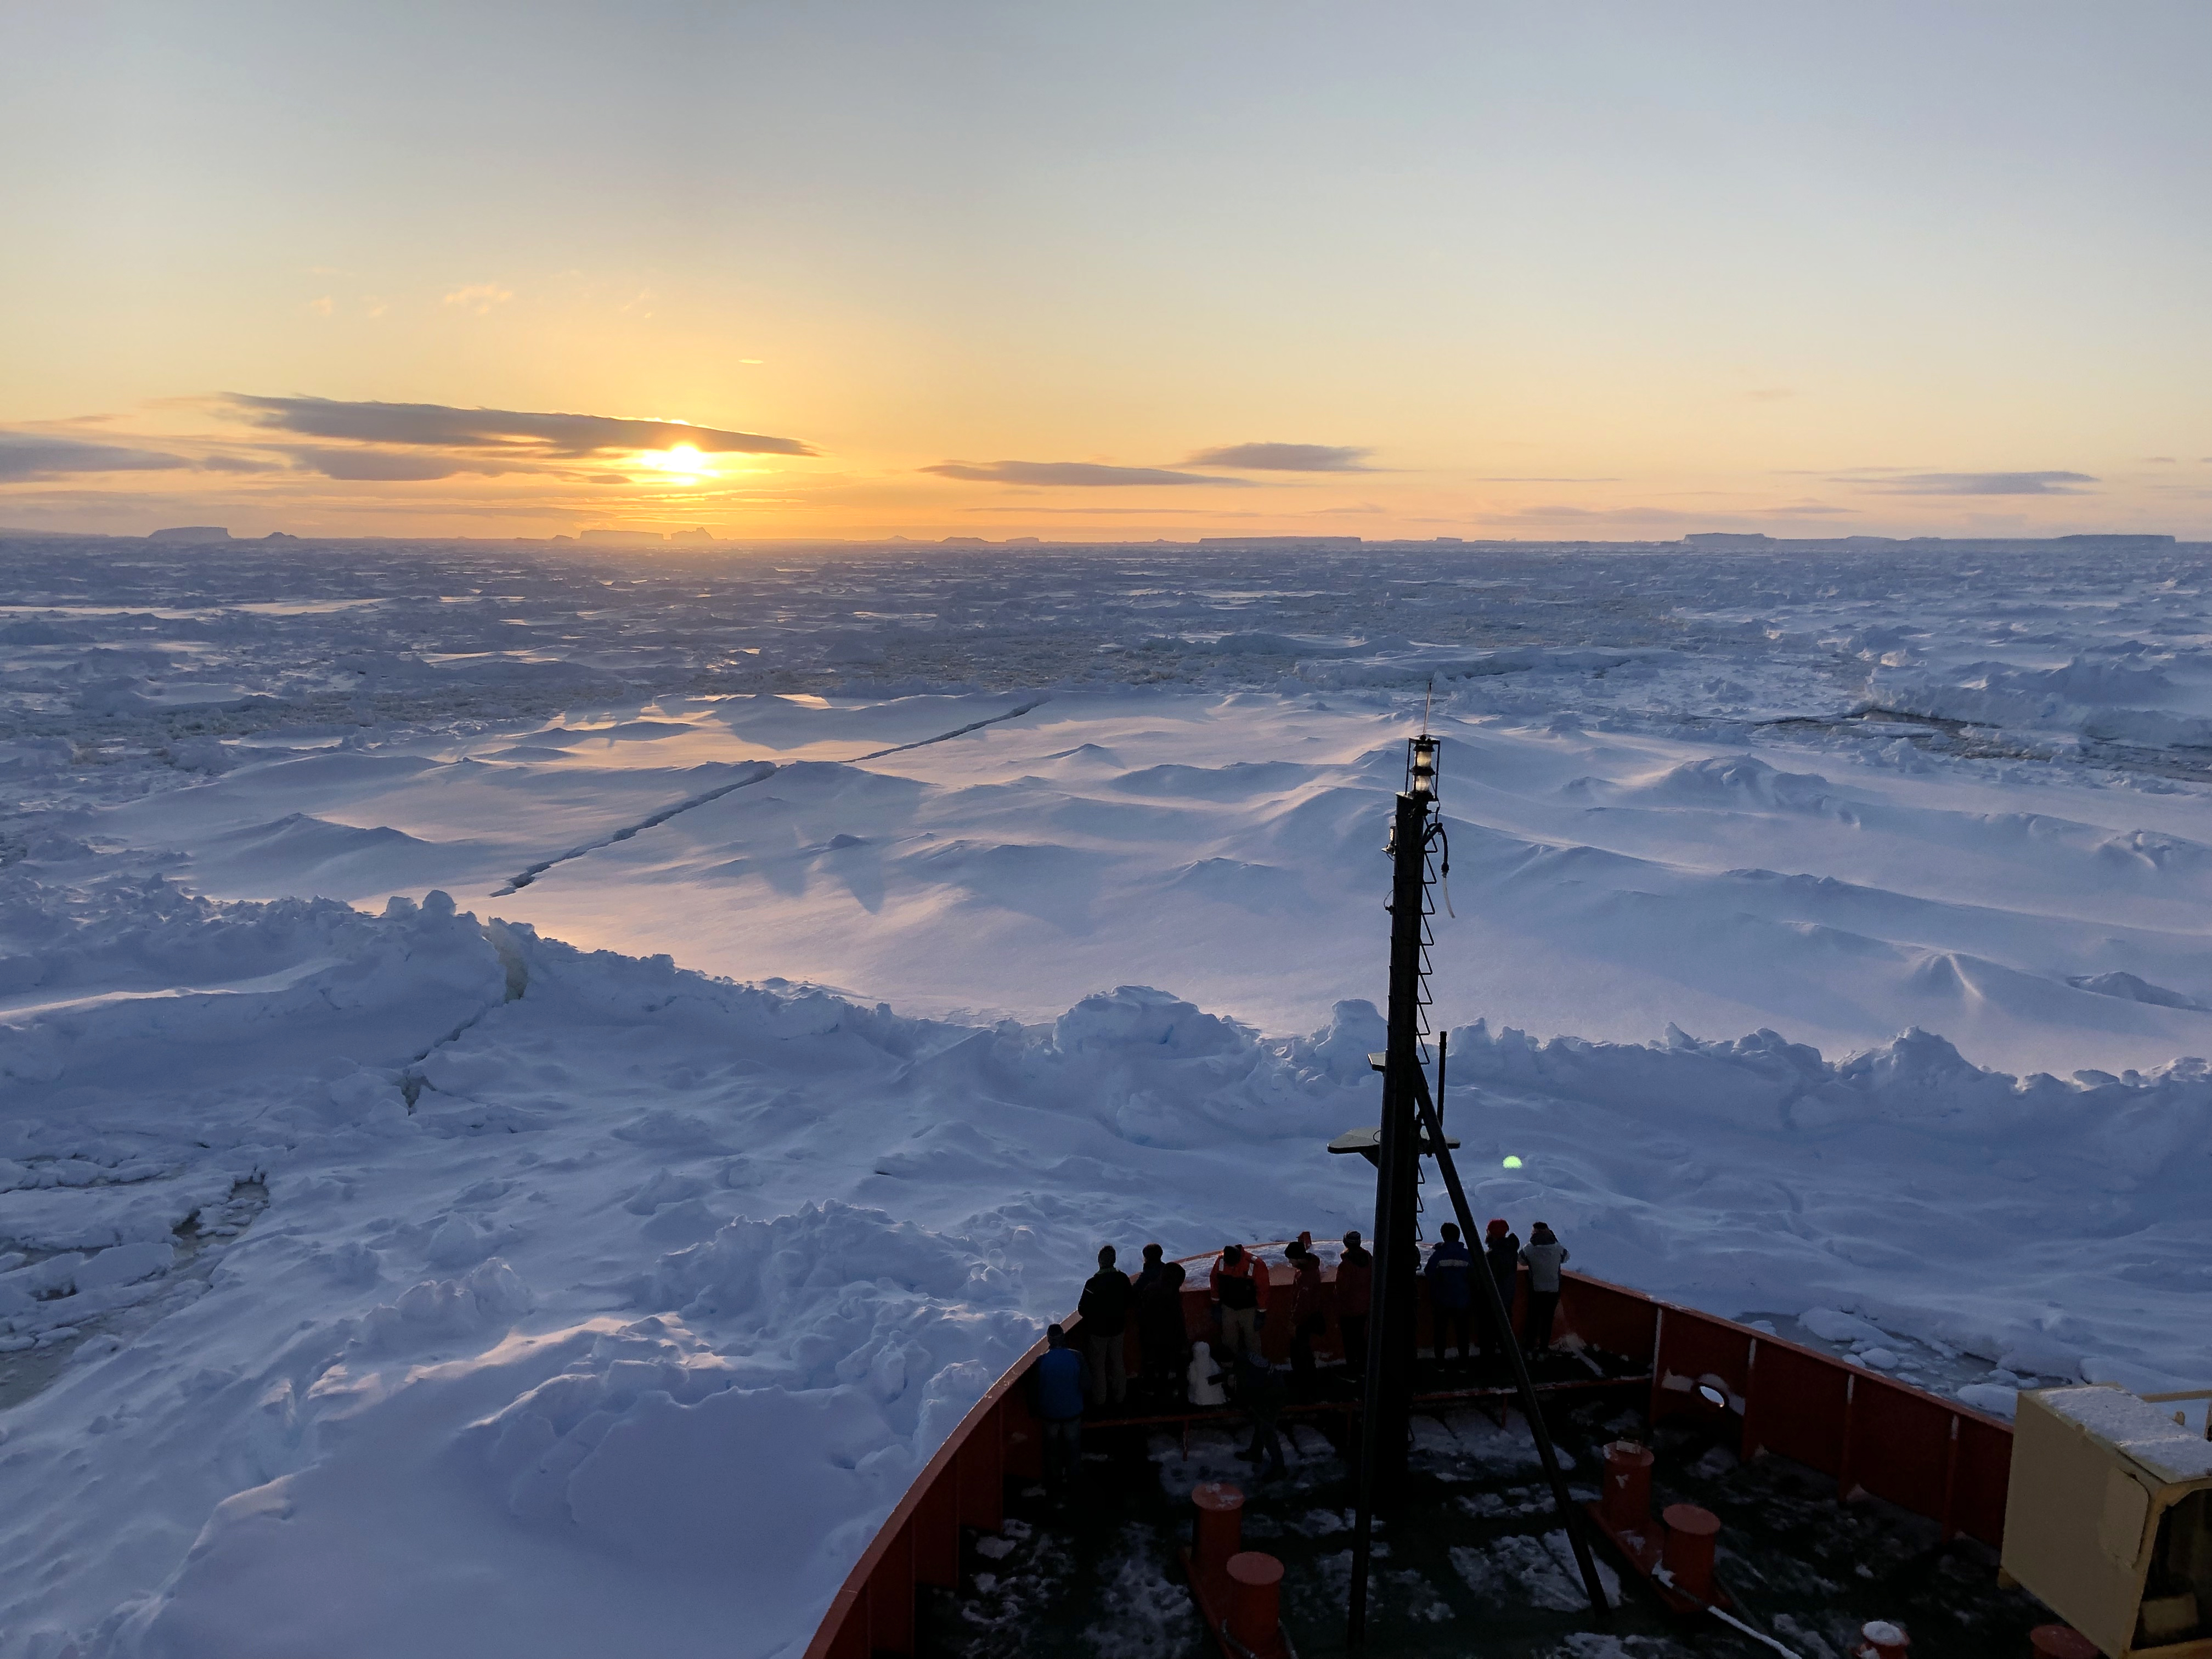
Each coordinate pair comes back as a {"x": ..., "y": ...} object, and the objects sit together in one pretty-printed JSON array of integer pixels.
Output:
[
  {"x": 1471, "y": 1559},
  {"x": 1844, "y": 1495}
]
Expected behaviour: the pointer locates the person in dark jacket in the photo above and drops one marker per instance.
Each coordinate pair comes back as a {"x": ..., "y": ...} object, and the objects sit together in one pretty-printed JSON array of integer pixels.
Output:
[
  {"x": 1148, "y": 1275},
  {"x": 1355, "y": 1293},
  {"x": 1240, "y": 1283},
  {"x": 1451, "y": 1294},
  {"x": 1160, "y": 1329},
  {"x": 1307, "y": 1319},
  {"x": 1262, "y": 1393},
  {"x": 1104, "y": 1311},
  {"x": 1056, "y": 1393},
  {"x": 1544, "y": 1253},
  {"x": 1502, "y": 1249},
  {"x": 1140, "y": 1289}
]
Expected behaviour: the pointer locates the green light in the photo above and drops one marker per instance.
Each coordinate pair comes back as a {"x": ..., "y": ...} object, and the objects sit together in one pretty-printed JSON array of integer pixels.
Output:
[{"x": 1512, "y": 1163}]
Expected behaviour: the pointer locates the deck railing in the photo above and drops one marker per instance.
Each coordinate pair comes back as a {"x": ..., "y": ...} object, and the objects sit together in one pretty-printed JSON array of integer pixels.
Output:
[{"x": 1931, "y": 1455}]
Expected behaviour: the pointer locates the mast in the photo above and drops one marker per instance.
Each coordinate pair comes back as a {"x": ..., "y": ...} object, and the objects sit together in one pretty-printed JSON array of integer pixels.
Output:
[
  {"x": 1386, "y": 1417},
  {"x": 1414, "y": 1124}
]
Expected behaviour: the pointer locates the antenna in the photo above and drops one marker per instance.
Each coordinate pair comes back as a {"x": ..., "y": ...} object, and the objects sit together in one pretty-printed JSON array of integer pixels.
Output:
[{"x": 1427, "y": 698}]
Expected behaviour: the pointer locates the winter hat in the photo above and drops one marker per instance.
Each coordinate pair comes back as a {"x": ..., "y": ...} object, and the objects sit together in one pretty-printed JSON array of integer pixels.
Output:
[{"x": 1497, "y": 1227}]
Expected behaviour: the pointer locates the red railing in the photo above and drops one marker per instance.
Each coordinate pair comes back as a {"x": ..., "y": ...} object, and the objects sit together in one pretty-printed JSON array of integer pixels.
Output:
[
  {"x": 1917, "y": 1451},
  {"x": 1922, "y": 1453}
]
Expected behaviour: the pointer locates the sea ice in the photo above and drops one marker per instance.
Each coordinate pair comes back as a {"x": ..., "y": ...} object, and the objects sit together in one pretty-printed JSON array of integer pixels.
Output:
[{"x": 461, "y": 1264}]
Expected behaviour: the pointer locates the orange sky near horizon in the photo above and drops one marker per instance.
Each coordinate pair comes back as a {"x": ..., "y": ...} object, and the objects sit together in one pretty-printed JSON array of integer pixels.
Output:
[{"x": 1497, "y": 271}]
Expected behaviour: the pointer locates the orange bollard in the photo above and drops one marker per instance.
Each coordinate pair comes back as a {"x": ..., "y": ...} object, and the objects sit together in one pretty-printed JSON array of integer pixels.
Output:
[
  {"x": 1626, "y": 1502},
  {"x": 2060, "y": 1641},
  {"x": 1220, "y": 1506},
  {"x": 1883, "y": 1640},
  {"x": 1689, "y": 1554},
  {"x": 1256, "y": 1594}
]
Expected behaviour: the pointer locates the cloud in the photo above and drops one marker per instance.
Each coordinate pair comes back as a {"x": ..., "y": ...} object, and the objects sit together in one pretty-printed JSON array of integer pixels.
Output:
[
  {"x": 480, "y": 297},
  {"x": 1285, "y": 458},
  {"x": 516, "y": 434},
  {"x": 1976, "y": 484},
  {"x": 26, "y": 455},
  {"x": 386, "y": 465},
  {"x": 1087, "y": 474}
]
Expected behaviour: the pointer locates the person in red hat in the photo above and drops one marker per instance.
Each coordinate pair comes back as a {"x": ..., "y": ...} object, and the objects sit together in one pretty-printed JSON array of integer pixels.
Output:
[{"x": 1502, "y": 1250}]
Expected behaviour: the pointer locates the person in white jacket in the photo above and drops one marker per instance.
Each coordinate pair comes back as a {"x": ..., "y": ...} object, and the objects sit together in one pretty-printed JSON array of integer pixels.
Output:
[
  {"x": 1206, "y": 1388},
  {"x": 1543, "y": 1252}
]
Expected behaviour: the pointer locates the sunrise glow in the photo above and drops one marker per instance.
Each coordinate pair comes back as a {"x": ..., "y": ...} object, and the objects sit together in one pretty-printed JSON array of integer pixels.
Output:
[
  {"x": 680, "y": 464},
  {"x": 1395, "y": 273}
]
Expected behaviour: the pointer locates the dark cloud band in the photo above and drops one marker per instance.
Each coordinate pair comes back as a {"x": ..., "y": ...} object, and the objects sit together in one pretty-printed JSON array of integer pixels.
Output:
[
  {"x": 1081, "y": 474},
  {"x": 543, "y": 436},
  {"x": 1976, "y": 484},
  {"x": 28, "y": 455},
  {"x": 1285, "y": 458}
]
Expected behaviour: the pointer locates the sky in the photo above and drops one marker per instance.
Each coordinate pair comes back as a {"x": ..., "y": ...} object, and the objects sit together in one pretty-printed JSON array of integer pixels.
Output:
[{"x": 1598, "y": 272}]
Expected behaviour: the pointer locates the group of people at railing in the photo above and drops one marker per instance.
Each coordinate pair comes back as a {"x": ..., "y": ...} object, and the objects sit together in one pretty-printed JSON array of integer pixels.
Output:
[{"x": 1180, "y": 1372}]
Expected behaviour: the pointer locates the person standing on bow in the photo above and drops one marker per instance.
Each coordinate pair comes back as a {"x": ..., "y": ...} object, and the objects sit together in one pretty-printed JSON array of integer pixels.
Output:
[
  {"x": 1451, "y": 1294},
  {"x": 1544, "y": 1253},
  {"x": 1501, "y": 1248},
  {"x": 1307, "y": 1319},
  {"x": 1355, "y": 1294},
  {"x": 1104, "y": 1311},
  {"x": 1160, "y": 1329},
  {"x": 1056, "y": 1394},
  {"x": 1240, "y": 1292}
]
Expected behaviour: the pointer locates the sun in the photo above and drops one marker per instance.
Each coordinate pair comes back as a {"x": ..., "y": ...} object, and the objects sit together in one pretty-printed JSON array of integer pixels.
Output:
[{"x": 682, "y": 463}]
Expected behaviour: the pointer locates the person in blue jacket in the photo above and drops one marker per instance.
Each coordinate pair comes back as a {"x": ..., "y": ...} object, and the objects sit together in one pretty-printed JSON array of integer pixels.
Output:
[
  {"x": 1056, "y": 1390},
  {"x": 1451, "y": 1294}
]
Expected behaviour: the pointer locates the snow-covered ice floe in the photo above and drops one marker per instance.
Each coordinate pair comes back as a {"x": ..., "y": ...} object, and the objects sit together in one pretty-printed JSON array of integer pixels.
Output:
[{"x": 559, "y": 1265}]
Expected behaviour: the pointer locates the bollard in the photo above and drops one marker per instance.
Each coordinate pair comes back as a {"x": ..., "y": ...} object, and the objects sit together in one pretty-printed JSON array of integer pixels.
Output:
[
  {"x": 1626, "y": 1504},
  {"x": 1883, "y": 1640},
  {"x": 1220, "y": 1506},
  {"x": 2060, "y": 1641},
  {"x": 1689, "y": 1553},
  {"x": 1255, "y": 1594}
]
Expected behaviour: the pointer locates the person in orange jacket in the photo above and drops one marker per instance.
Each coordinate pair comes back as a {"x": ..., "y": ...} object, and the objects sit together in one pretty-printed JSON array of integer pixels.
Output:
[{"x": 1239, "y": 1282}]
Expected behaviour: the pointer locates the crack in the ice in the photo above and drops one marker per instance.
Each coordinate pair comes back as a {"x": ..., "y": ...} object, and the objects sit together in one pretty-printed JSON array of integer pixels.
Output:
[
  {"x": 517, "y": 972},
  {"x": 958, "y": 731},
  {"x": 516, "y": 882}
]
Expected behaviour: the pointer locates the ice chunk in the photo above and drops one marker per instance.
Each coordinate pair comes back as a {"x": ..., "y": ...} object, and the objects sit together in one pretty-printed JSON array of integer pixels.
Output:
[{"x": 1835, "y": 1327}]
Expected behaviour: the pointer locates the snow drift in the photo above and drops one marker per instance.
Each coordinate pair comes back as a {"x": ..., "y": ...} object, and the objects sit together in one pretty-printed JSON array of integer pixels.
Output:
[{"x": 596, "y": 1303}]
